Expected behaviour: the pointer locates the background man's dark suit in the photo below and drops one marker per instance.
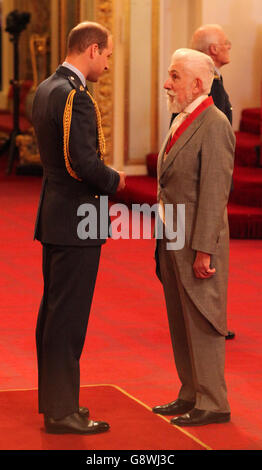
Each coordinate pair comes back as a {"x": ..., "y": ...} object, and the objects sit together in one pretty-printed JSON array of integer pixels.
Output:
[
  {"x": 69, "y": 264},
  {"x": 221, "y": 98}
]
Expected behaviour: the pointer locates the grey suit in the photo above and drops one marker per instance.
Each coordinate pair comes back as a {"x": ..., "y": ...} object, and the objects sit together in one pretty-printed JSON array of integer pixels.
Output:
[{"x": 192, "y": 174}]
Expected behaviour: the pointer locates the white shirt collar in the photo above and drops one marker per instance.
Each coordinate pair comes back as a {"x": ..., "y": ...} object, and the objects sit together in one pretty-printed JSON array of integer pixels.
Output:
[
  {"x": 192, "y": 106},
  {"x": 76, "y": 71},
  {"x": 217, "y": 71}
]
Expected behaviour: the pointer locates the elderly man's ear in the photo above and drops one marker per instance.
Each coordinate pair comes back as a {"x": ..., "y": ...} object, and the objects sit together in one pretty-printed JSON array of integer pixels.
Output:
[
  {"x": 212, "y": 50},
  {"x": 197, "y": 86}
]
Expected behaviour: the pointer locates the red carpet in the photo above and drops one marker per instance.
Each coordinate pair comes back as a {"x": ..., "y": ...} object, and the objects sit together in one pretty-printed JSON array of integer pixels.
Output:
[
  {"x": 132, "y": 426},
  {"x": 128, "y": 341}
]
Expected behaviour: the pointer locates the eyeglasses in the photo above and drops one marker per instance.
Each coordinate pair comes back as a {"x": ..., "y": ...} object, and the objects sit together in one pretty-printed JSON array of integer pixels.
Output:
[{"x": 226, "y": 43}]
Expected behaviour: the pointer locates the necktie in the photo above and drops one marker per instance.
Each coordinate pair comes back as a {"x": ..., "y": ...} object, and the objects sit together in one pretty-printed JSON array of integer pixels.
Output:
[
  {"x": 175, "y": 125},
  {"x": 178, "y": 121}
]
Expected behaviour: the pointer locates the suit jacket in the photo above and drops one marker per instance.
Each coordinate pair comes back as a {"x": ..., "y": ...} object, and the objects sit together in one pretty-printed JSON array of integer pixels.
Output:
[
  {"x": 193, "y": 175},
  {"x": 62, "y": 194},
  {"x": 220, "y": 98}
]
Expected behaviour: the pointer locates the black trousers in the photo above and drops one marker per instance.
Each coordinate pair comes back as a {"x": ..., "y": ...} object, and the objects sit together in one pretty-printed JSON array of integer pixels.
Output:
[{"x": 69, "y": 280}]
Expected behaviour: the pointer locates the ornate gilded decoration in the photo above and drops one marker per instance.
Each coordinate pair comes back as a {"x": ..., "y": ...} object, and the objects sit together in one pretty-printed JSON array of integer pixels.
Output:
[
  {"x": 38, "y": 48},
  {"x": 34, "y": 64},
  {"x": 39, "y": 24},
  {"x": 28, "y": 149},
  {"x": 27, "y": 143},
  {"x": 104, "y": 14},
  {"x": 69, "y": 17}
]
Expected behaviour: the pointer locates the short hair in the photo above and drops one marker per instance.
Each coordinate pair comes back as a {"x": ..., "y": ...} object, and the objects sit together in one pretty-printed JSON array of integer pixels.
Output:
[
  {"x": 197, "y": 63},
  {"x": 204, "y": 36},
  {"x": 85, "y": 34}
]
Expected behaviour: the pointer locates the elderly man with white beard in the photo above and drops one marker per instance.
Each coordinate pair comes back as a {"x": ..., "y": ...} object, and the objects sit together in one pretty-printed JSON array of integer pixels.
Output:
[{"x": 195, "y": 167}]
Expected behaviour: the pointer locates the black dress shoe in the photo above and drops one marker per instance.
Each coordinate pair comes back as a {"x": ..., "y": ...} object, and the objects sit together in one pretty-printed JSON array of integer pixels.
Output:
[
  {"x": 176, "y": 407},
  {"x": 230, "y": 335},
  {"x": 197, "y": 417},
  {"x": 83, "y": 411},
  {"x": 74, "y": 424}
]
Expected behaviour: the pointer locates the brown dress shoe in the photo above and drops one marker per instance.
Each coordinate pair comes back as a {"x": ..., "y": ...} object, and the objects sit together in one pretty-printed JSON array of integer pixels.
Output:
[
  {"x": 197, "y": 417},
  {"x": 176, "y": 407},
  {"x": 74, "y": 424},
  {"x": 230, "y": 335}
]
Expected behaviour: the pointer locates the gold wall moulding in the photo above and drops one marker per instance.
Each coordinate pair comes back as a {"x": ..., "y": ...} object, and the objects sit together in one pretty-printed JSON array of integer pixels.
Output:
[
  {"x": 68, "y": 17},
  {"x": 39, "y": 48},
  {"x": 104, "y": 89}
]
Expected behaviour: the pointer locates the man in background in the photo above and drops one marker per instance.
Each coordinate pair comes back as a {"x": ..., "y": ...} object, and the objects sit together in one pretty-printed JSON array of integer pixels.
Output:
[{"x": 213, "y": 41}]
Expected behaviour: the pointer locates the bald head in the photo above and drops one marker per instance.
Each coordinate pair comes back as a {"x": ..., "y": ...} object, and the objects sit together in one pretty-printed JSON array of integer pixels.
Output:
[{"x": 213, "y": 41}]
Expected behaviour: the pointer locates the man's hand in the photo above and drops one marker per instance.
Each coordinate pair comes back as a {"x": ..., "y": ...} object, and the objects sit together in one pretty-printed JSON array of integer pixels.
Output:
[
  {"x": 201, "y": 266},
  {"x": 122, "y": 181}
]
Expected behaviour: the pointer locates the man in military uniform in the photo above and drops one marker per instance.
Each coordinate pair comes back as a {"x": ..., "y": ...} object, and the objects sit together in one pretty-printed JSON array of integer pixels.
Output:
[
  {"x": 212, "y": 40},
  {"x": 68, "y": 127}
]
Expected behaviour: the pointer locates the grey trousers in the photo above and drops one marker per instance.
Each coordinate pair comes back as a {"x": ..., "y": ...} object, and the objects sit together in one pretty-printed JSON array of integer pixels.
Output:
[{"x": 199, "y": 350}]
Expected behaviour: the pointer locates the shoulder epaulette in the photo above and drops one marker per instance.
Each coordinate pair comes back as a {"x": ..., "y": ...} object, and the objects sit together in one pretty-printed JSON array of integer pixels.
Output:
[{"x": 72, "y": 81}]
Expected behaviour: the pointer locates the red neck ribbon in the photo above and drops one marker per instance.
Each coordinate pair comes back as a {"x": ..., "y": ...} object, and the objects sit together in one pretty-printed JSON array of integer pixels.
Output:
[{"x": 205, "y": 104}]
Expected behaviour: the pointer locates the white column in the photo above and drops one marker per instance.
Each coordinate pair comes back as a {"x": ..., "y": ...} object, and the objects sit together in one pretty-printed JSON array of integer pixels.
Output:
[{"x": 174, "y": 33}]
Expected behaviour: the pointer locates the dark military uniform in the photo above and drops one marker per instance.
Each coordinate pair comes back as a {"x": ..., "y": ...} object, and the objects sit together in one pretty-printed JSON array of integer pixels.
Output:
[
  {"x": 220, "y": 97},
  {"x": 69, "y": 139}
]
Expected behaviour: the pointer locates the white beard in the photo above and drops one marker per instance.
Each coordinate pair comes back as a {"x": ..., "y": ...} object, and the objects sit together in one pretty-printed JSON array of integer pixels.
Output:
[{"x": 174, "y": 106}]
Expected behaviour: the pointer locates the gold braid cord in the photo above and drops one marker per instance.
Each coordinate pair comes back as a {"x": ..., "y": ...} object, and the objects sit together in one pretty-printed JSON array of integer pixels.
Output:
[
  {"x": 101, "y": 138},
  {"x": 67, "y": 125}
]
